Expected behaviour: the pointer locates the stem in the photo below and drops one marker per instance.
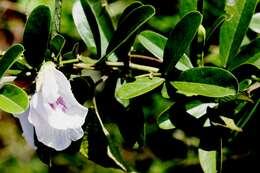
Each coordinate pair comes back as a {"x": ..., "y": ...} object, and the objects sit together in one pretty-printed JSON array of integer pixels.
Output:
[
  {"x": 99, "y": 118},
  {"x": 57, "y": 15},
  {"x": 145, "y": 57},
  {"x": 200, "y": 6},
  {"x": 119, "y": 64},
  {"x": 70, "y": 61}
]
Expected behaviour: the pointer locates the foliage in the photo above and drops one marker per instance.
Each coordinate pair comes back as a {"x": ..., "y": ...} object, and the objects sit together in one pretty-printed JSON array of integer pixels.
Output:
[{"x": 142, "y": 86}]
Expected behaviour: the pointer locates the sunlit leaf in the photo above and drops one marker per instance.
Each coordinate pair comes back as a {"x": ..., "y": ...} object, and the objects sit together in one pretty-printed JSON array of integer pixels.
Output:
[
  {"x": 13, "y": 99},
  {"x": 228, "y": 123},
  {"x": 36, "y": 35},
  {"x": 11, "y": 55},
  {"x": 206, "y": 81},
  {"x": 140, "y": 86},
  {"x": 201, "y": 109},
  {"x": 208, "y": 161},
  {"x": 84, "y": 146},
  {"x": 164, "y": 122},
  {"x": 153, "y": 42},
  {"x": 233, "y": 30},
  {"x": 255, "y": 23},
  {"x": 124, "y": 102}
]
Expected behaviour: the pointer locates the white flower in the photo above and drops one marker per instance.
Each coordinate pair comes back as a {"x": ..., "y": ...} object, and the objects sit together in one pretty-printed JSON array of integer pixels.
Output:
[{"x": 55, "y": 114}]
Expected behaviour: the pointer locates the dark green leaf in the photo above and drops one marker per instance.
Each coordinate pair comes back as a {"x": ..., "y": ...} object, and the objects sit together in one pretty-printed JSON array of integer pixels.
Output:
[
  {"x": 83, "y": 26},
  {"x": 182, "y": 34},
  {"x": 128, "y": 27},
  {"x": 73, "y": 53},
  {"x": 57, "y": 43},
  {"x": 36, "y": 35},
  {"x": 10, "y": 57},
  {"x": 124, "y": 49},
  {"x": 13, "y": 99},
  {"x": 249, "y": 54},
  {"x": 206, "y": 81},
  {"x": 155, "y": 43},
  {"x": 234, "y": 28},
  {"x": 138, "y": 87},
  {"x": 187, "y": 6},
  {"x": 128, "y": 10},
  {"x": 104, "y": 21},
  {"x": 93, "y": 24},
  {"x": 216, "y": 24}
]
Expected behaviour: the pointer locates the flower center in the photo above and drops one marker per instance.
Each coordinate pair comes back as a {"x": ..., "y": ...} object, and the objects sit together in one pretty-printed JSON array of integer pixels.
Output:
[{"x": 59, "y": 104}]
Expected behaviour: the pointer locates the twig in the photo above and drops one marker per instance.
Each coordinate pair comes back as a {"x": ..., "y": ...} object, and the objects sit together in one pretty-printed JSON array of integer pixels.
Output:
[{"x": 119, "y": 64}]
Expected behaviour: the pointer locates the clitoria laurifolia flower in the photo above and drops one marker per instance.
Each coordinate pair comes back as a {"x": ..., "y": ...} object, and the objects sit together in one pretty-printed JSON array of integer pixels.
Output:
[{"x": 54, "y": 112}]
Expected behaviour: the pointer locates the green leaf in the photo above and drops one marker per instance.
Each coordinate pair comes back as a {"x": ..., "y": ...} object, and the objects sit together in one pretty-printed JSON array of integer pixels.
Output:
[
  {"x": 206, "y": 81},
  {"x": 200, "y": 109},
  {"x": 182, "y": 34},
  {"x": 208, "y": 161},
  {"x": 94, "y": 24},
  {"x": 128, "y": 27},
  {"x": 84, "y": 146},
  {"x": 216, "y": 24},
  {"x": 184, "y": 63},
  {"x": 228, "y": 123},
  {"x": 234, "y": 28},
  {"x": 164, "y": 122},
  {"x": 249, "y": 54},
  {"x": 128, "y": 10},
  {"x": 124, "y": 102},
  {"x": 13, "y": 99},
  {"x": 36, "y": 35},
  {"x": 255, "y": 23},
  {"x": 153, "y": 42},
  {"x": 140, "y": 86},
  {"x": 56, "y": 44},
  {"x": 83, "y": 26},
  {"x": 11, "y": 55},
  {"x": 187, "y": 6},
  {"x": 123, "y": 51}
]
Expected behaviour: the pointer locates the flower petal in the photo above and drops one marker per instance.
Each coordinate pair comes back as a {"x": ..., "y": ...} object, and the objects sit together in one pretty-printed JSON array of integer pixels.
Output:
[
  {"x": 52, "y": 137},
  {"x": 27, "y": 127}
]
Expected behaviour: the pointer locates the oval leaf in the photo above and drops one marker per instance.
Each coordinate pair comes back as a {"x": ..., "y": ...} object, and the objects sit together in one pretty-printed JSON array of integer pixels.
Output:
[
  {"x": 255, "y": 23},
  {"x": 249, "y": 54},
  {"x": 153, "y": 42},
  {"x": 83, "y": 26},
  {"x": 131, "y": 23},
  {"x": 13, "y": 99},
  {"x": 11, "y": 55},
  {"x": 206, "y": 81},
  {"x": 138, "y": 87},
  {"x": 36, "y": 34},
  {"x": 56, "y": 44},
  {"x": 208, "y": 161},
  {"x": 234, "y": 28},
  {"x": 182, "y": 34}
]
